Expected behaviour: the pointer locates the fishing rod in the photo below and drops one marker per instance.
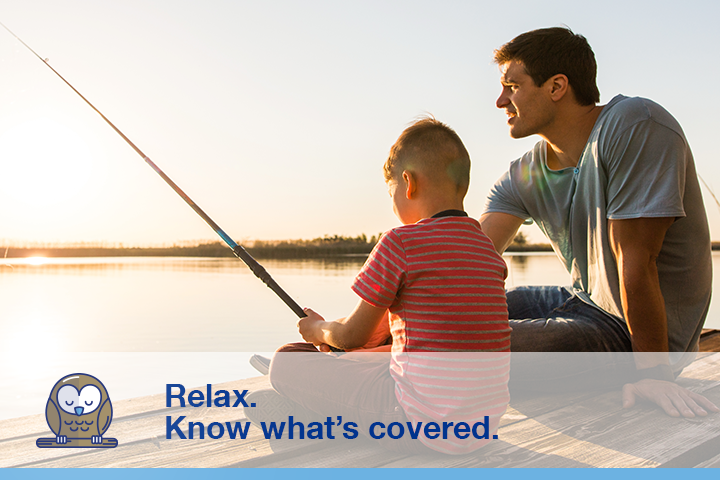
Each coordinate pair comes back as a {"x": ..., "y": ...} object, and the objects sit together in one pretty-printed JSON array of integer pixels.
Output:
[{"x": 238, "y": 250}]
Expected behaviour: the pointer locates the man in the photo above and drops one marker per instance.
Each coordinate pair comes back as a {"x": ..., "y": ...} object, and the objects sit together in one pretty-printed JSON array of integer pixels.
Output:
[{"x": 614, "y": 189}]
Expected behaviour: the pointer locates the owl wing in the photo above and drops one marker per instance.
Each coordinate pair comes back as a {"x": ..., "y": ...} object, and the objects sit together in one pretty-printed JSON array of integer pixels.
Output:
[
  {"x": 52, "y": 415},
  {"x": 104, "y": 417}
]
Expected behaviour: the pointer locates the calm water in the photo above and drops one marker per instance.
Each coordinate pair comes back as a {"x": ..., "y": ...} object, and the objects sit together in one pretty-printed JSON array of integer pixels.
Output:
[{"x": 142, "y": 322}]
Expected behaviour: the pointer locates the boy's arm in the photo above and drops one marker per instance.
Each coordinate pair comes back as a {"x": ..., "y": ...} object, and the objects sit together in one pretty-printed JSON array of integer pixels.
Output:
[{"x": 350, "y": 332}]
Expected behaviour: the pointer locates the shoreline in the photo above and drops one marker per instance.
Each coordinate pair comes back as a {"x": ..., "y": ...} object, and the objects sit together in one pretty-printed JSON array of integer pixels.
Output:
[{"x": 281, "y": 251}]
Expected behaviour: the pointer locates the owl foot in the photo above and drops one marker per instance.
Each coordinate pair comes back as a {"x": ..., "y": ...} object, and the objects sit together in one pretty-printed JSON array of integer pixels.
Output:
[
  {"x": 96, "y": 439},
  {"x": 61, "y": 439}
]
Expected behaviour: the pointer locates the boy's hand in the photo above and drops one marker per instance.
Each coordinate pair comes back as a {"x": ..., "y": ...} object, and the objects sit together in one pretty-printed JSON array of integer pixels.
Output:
[
  {"x": 310, "y": 327},
  {"x": 352, "y": 331}
]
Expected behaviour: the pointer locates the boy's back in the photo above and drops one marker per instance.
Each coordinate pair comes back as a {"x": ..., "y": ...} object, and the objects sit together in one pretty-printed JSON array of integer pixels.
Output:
[{"x": 443, "y": 282}]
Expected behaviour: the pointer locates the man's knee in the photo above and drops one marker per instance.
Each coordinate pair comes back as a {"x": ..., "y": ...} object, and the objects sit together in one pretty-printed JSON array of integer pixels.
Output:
[{"x": 535, "y": 302}]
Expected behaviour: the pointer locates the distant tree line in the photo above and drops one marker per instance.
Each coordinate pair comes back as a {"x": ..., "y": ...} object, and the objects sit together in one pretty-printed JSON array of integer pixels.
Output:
[
  {"x": 318, "y": 247},
  {"x": 326, "y": 246},
  {"x": 521, "y": 244}
]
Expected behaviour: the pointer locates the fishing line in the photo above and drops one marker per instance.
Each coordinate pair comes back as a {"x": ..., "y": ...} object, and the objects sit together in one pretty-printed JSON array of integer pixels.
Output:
[
  {"x": 238, "y": 250},
  {"x": 709, "y": 190}
]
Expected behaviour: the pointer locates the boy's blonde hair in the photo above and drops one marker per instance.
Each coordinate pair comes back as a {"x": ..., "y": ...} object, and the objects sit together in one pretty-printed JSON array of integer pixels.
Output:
[{"x": 432, "y": 147}]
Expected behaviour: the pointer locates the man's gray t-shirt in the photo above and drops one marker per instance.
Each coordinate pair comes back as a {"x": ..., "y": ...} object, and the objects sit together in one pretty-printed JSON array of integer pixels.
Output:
[{"x": 636, "y": 164}]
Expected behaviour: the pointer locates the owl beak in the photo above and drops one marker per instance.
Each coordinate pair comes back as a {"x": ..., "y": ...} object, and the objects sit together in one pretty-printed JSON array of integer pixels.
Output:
[{"x": 78, "y": 411}]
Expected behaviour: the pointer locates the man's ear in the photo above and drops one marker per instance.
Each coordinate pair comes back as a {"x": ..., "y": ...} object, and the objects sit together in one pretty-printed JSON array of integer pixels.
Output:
[
  {"x": 558, "y": 85},
  {"x": 410, "y": 184}
]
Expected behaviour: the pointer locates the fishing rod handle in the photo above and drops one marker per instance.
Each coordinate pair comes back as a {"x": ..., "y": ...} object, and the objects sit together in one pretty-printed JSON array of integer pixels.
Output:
[{"x": 263, "y": 275}]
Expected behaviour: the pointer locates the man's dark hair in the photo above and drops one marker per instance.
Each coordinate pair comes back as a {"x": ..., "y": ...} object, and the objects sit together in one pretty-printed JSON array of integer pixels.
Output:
[{"x": 550, "y": 51}]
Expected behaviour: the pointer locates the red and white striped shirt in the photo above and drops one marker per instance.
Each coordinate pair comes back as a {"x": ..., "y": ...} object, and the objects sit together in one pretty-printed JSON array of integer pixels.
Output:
[{"x": 443, "y": 283}]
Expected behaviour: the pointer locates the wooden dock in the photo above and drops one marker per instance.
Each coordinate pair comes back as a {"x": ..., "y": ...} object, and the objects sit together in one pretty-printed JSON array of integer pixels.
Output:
[{"x": 580, "y": 430}]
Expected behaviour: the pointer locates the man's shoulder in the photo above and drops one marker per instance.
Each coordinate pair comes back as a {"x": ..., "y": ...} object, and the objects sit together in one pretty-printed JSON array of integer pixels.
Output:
[
  {"x": 533, "y": 158},
  {"x": 525, "y": 169},
  {"x": 624, "y": 112}
]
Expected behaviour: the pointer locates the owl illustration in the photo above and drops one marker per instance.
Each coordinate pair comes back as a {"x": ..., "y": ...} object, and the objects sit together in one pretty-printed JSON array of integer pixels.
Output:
[{"x": 79, "y": 408}]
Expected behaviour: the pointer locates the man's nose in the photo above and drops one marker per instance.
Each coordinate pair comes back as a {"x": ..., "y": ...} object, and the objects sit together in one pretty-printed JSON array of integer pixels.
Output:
[{"x": 502, "y": 100}]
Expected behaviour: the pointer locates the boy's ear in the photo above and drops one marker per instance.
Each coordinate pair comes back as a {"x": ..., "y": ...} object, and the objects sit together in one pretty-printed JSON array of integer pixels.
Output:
[{"x": 410, "y": 184}]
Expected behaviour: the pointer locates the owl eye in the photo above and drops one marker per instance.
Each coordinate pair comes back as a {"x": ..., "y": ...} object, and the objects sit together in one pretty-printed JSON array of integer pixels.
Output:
[
  {"x": 90, "y": 395},
  {"x": 67, "y": 397}
]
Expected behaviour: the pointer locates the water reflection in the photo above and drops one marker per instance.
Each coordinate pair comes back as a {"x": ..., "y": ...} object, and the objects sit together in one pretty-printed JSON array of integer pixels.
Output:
[
  {"x": 535, "y": 269},
  {"x": 71, "y": 306},
  {"x": 165, "y": 304},
  {"x": 191, "y": 304},
  {"x": 81, "y": 266}
]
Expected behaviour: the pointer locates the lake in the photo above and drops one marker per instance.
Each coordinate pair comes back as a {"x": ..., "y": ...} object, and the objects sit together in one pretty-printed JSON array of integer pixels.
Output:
[{"x": 139, "y": 323}]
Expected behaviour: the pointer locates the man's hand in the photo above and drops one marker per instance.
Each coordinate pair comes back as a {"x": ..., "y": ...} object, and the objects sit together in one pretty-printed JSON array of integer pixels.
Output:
[{"x": 671, "y": 397}]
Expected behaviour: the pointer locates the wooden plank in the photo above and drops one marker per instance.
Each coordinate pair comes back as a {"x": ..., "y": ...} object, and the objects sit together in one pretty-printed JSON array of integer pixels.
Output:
[
  {"x": 644, "y": 435},
  {"x": 359, "y": 453},
  {"x": 706, "y": 451},
  {"x": 144, "y": 444},
  {"x": 498, "y": 454},
  {"x": 366, "y": 453},
  {"x": 706, "y": 367},
  {"x": 710, "y": 341},
  {"x": 35, "y": 425},
  {"x": 713, "y": 462},
  {"x": 537, "y": 431},
  {"x": 526, "y": 439},
  {"x": 543, "y": 442},
  {"x": 160, "y": 452},
  {"x": 598, "y": 432}
]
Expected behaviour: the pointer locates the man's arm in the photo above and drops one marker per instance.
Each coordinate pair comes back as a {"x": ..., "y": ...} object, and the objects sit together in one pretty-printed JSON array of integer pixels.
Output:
[
  {"x": 500, "y": 228},
  {"x": 636, "y": 244}
]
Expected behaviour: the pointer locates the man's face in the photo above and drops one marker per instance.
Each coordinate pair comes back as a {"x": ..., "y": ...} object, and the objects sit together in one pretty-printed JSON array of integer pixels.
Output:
[{"x": 528, "y": 106}]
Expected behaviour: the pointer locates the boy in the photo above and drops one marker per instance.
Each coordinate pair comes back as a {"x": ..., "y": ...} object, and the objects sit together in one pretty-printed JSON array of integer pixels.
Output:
[{"x": 442, "y": 283}]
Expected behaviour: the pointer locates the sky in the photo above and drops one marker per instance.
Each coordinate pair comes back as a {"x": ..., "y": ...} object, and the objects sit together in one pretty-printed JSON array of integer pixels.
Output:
[{"x": 275, "y": 117}]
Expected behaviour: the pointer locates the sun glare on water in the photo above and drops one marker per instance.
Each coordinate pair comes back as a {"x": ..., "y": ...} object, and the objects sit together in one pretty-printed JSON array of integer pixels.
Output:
[{"x": 36, "y": 260}]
